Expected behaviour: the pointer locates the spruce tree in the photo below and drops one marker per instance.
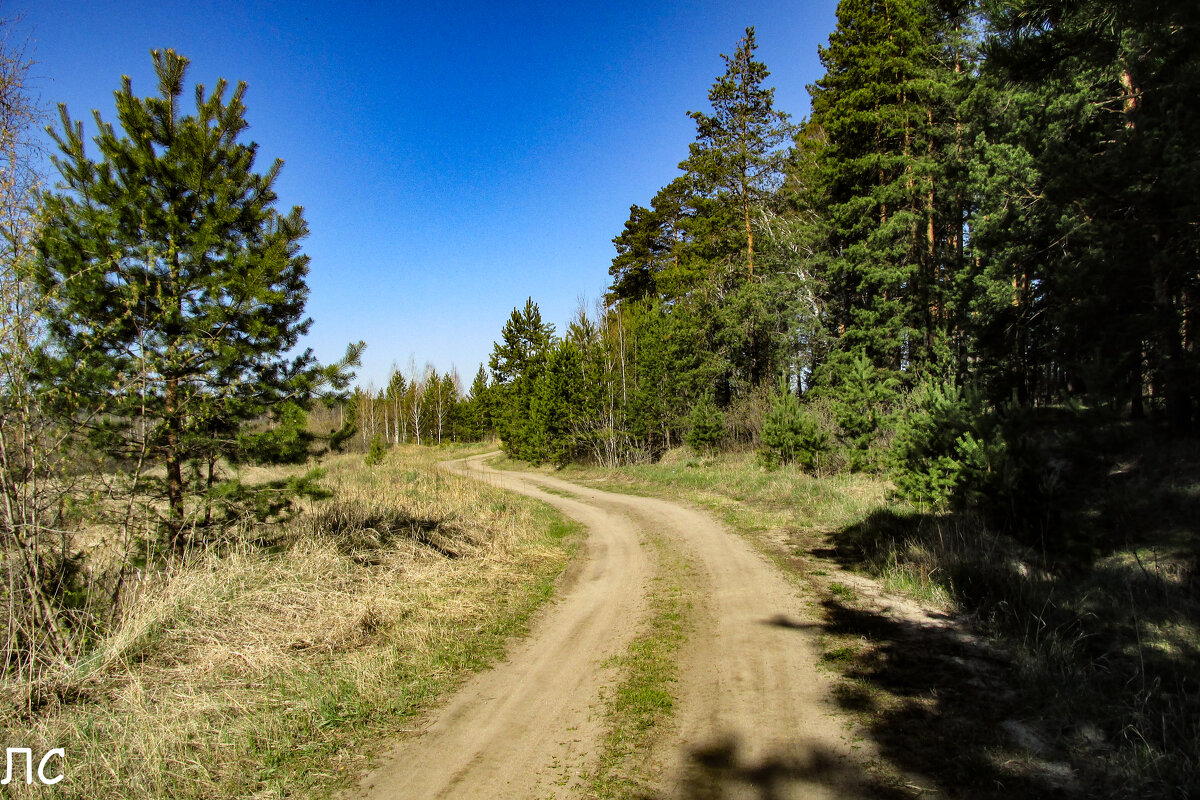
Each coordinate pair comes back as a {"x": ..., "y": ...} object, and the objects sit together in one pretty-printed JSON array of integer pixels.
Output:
[
  {"x": 790, "y": 434},
  {"x": 179, "y": 288}
]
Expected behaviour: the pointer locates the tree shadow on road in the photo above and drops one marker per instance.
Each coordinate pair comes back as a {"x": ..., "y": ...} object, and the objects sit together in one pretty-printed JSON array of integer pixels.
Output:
[{"x": 722, "y": 769}]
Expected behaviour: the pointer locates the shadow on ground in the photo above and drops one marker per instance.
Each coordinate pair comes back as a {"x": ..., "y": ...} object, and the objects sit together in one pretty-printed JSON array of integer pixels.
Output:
[
  {"x": 722, "y": 770},
  {"x": 938, "y": 706},
  {"x": 1073, "y": 669}
]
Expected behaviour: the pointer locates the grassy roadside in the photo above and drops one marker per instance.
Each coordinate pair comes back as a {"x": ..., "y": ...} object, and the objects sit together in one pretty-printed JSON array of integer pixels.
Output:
[
  {"x": 639, "y": 705},
  {"x": 277, "y": 669},
  {"x": 786, "y": 513},
  {"x": 976, "y": 666}
]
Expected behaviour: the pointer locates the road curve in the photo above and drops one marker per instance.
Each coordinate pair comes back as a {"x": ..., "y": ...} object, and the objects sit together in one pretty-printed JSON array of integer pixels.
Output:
[{"x": 753, "y": 717}]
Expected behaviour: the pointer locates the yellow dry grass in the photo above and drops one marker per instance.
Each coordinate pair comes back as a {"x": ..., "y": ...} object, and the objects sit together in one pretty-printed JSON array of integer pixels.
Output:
[{"x": 275, "y": 672}]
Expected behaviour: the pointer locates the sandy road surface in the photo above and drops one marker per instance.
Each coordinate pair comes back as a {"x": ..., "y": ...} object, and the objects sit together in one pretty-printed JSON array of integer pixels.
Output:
[{"x": 753, "y": 718}]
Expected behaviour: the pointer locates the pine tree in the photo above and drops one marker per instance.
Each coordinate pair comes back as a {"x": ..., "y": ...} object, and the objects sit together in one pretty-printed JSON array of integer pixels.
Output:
[
  {"x": 517, "y": 364},
  {"x": 179, "y": 289},
  {"x": 558, "y": 406},
  {"x": 641, "y": 251},
  {"x": 477, "y": 410},
  {"x": 707, "y": 426},
  {"x": 882, "y": 105},
  {"x": 1111, "y": 163},
  {"x": 737, "y": 159},
  {"x": 789, "y": 434}
]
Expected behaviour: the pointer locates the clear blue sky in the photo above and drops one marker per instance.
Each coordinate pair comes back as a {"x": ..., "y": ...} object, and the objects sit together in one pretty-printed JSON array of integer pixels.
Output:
[{"x": 452, "y": 158}]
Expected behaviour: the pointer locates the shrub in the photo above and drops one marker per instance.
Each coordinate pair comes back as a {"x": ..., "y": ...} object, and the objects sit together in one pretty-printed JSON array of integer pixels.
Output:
[
  {"x": 790, "y": 434},
  {"x": 708, "y": 425},
  {"x": 377, "y": 451}
]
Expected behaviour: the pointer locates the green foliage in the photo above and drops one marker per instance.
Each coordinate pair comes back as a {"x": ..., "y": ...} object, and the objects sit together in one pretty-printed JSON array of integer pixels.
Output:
[
  {"x": 517, "y": 363},
  {"x": 937, "y": 455},
  {"x": 473, "y": 418},
  {"x": 179, "y": 288},
  {"x": 790, "y": 434},
  {"x": 288, "y": 441},
  {"x": 707, "y": 425},
  {"x": 736, "y": 160},
  {"x": 263, "y": 502},
  {"x": 644, "y": 249},
  {"x": 1013, "y": 467},
  {"x": 863, "y": 399},
  {"x": 558, "y": 405},
  {"x": 338, "y": 439},
  {"x": 377, "y": 451}
]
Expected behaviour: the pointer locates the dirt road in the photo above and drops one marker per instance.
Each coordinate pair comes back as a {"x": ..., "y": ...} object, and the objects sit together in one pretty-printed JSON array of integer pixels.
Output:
[{"x": 753, "y": 715}]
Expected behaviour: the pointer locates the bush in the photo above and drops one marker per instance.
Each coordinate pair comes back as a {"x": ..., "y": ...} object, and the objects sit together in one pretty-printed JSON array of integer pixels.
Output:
[
  {"x": 377, "y": 451},
  {"x": 790, "y": 434},
  {"x": 745, "y": 416},
  {"x": 935, "y": 448},
  {"x": 708, "y": 425}
]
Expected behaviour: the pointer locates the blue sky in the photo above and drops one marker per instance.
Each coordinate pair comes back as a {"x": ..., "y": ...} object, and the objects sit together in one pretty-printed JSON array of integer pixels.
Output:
[{"x": 452, "y": 158}]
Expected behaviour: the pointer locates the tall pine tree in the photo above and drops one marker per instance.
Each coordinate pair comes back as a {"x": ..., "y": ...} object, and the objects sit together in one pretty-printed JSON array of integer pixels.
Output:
[
  {"x": 882, "y": 105},
  {"x": 737, "y": 158}
]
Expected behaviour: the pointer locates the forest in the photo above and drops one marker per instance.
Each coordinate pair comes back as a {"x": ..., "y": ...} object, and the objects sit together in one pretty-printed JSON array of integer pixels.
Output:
[
  {"x": 969, "y": 277},
  {"x": 973, "y": 265}
]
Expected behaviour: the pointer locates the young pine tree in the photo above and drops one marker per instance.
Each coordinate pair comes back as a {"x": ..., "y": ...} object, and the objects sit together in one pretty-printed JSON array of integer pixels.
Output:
[
  {"x": 179, "y": 288},
  {"x": 789, "y": 434},
  {"x": 708, "y": 426},
  {"x": 517, "y": 364}
]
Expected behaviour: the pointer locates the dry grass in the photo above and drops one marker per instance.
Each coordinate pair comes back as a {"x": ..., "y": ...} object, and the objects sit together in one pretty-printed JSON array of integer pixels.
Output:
[{"x": 274, "y": 671}]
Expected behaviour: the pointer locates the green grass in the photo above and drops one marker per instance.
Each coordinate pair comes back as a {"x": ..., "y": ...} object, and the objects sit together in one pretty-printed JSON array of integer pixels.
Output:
[
  {"x": 841, "y": 590},
  {"x": 639, "y": 704}
]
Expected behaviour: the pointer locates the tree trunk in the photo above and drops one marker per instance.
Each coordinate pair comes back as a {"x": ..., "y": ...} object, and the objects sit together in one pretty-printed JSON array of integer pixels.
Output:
[
  {"x": 749, "y": 238},
  {"x": 174, "y": 458}
]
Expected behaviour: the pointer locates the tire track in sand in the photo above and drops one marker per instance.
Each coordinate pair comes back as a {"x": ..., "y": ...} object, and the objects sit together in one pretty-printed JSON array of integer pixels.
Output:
[{"x": 753, "y": 717}]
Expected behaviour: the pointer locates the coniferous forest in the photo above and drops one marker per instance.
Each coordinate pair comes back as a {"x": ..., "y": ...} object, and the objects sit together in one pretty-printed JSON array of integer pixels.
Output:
[{"x": 974, "y": 265}]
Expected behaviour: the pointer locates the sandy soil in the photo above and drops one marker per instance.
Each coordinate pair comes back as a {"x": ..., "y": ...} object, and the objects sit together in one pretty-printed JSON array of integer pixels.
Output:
[{"x": 754, "y": 717}]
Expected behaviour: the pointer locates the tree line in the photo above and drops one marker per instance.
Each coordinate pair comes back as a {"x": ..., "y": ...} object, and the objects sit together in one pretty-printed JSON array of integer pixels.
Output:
[
  {"x": 982, "y": 243},
  {"x": 420, "y": 407}
]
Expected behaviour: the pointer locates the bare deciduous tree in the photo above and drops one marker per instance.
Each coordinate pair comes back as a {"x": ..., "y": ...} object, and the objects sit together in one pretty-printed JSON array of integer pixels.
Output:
[{"x": 35, "y": 544}]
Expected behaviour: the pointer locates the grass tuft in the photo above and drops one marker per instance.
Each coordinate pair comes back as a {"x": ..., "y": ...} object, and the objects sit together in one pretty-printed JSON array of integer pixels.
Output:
[{"x": 641, "y": 702}]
